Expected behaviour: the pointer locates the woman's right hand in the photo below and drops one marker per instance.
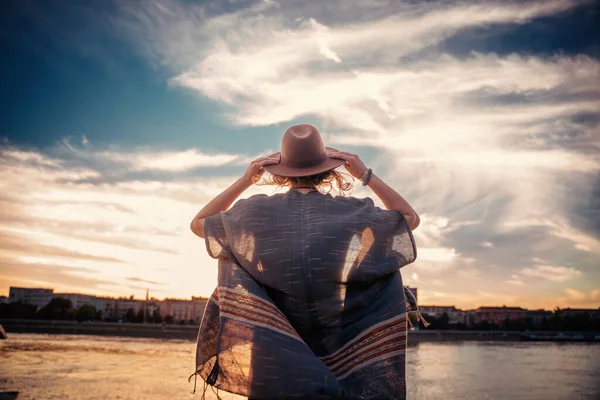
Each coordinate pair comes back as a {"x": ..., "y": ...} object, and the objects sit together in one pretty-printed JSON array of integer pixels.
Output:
[
  {"x": 354, "y": 165},
  {"x": 255, "y": 170}
]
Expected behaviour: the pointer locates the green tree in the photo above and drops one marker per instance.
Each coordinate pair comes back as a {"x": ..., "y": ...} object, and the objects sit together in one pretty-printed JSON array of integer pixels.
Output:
[
  {"x": 557, "y": 320},
  {"x": 58, "y": 308},
  {"x": 156, "y": 318},
  {"x": 86, "y": 313},
  {"x": 444, "y": 321},
  {"x": 130, "y": 316}
]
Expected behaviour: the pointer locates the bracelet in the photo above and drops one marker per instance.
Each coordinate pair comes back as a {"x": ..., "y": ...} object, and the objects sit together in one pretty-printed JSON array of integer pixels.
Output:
[
  {"x": 364, "y": 175},
  {"x": 368, "y": 178}
]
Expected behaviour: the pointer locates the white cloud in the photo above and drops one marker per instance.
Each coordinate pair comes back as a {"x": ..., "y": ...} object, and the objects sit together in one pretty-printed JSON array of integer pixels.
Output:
[
  {"x": 170, "y": 161},
  {"x": 553, "y": 273},
  {"x": 577, "y": 298},
  {"x": 437, "y": 254},
  {"x": 30, "y": 157},
  {"x": 516, "y": 280},
  {"x": 559, "y": 227}
]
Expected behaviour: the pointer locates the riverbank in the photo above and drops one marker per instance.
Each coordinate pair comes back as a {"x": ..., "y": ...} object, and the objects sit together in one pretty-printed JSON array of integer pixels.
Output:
[{"x": 189, "y": 332}]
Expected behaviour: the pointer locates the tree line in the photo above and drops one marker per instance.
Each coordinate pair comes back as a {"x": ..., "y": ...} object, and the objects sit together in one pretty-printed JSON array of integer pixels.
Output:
[{"x": 558, "y": 320}]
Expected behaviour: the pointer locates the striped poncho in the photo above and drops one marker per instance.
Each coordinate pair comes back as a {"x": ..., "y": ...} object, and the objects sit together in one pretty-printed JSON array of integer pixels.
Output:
[{"x": 310, "y": 302}]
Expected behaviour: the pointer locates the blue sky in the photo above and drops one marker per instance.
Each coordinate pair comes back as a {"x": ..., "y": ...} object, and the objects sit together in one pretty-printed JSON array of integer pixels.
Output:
[{"x": 119, "y": 120}]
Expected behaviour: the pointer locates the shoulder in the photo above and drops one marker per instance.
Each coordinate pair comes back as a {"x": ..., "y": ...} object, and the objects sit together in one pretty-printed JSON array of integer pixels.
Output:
[
  {"x": 257, "y": 198},
  {"x": 366, "y": 208},
  {"x": 355, "y": 202},
  {"x": 251, "y": 203}
]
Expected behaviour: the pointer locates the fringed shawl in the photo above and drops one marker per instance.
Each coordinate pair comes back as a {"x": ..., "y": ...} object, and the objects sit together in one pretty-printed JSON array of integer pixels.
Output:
[{"x": 310, "y": 302}]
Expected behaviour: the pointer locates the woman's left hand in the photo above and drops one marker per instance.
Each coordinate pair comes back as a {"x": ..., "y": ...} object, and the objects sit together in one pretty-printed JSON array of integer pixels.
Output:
[{"x": 255, "y": 170}]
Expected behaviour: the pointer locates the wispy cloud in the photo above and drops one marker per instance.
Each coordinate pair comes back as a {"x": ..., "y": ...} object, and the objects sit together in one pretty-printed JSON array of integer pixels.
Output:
[
  {"x": 576, "y": 298},
  {"x": 57, "y": 276},
  {"x": 170, "y": 161},
  {"x": 139, "y": 280},
  {"x": 557, "y": 274}
]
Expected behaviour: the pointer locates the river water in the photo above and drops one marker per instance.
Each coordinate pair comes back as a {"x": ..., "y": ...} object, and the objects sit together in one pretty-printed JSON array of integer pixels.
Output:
[{"x": 69, "y": 367}]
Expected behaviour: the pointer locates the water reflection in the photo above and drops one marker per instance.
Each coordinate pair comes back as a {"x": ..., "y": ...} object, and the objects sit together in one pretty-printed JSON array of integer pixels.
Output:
[
  {"x": 504, "y": 370},
  {"x": 72, "y": 367}
]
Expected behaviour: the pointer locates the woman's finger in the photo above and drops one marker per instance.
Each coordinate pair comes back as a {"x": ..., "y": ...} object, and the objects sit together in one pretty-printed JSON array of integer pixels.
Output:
[
  {"x": 339, "y": 154},
  {"x": 268, "y": 161}
]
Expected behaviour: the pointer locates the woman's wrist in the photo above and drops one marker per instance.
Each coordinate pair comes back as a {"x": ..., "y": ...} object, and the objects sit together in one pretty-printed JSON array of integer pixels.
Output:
[{"x": 244, "y": 182}]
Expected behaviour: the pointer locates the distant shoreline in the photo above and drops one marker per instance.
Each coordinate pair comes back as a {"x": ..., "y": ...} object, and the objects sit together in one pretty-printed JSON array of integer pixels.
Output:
[{"x": 190, "y": 332}]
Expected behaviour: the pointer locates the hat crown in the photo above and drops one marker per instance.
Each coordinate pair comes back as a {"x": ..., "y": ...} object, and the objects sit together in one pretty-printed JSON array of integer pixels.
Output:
[
  {"x": 302, "y": 153},
  {"x": 302, "y": 146}
]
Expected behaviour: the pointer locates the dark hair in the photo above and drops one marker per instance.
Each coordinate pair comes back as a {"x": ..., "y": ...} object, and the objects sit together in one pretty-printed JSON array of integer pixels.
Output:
[{"x": 324, "y": 181}]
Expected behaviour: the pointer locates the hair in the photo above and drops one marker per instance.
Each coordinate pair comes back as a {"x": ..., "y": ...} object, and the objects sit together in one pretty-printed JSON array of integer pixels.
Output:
[{"x": 325, "y": 182}]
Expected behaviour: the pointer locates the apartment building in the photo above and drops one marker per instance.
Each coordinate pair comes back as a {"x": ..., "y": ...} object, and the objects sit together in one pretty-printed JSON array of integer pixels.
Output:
[
  {"x": 455, "y": 315},
  {"x": 498, "y": 315},
  {"x": 35, "y": 296}
]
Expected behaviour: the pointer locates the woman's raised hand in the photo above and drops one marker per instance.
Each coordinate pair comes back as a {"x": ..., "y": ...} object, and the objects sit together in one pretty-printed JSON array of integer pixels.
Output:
[
  {"x": 255, "y": 170},
  {"x": 354, "y": 165}
]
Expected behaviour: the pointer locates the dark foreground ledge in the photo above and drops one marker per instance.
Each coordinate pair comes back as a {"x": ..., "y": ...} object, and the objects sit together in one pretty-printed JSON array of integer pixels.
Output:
[
  {"x": 189, "y": 332},
  {"x": 159, "y": 331}
]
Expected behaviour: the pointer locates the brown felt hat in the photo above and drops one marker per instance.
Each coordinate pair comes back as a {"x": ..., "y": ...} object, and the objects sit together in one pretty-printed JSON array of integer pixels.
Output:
[{"x": 302, "y": 153}]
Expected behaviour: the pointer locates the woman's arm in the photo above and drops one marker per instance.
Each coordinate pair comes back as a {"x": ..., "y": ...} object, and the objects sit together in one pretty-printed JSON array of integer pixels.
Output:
[
  {"x": 393, "y": 201},
  {"x": 389, "y": 197},
  {"x": 224, "y": 200}
]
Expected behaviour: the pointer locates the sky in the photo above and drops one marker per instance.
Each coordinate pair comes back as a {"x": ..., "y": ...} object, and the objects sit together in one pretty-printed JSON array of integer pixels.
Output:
[{"x": 119, "y": 120}]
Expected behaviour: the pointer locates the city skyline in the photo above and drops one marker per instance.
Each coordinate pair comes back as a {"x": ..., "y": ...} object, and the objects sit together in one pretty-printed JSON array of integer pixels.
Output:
[
  {"x": 120, "y": 120},
  {"x": 131, "y": 297}
]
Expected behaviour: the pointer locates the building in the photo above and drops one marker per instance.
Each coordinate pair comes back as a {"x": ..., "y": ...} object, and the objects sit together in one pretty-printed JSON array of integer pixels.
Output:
[
  {"x": 455, "y": 316},
  {"x": 198, "y": 307},
  {"x": 115, "y": 308},
  {"x": 124, "y": 304},
  {"x": 78, "y": 300},
  {"x": 497, "y": 315},
  {"x": 183, "y": 310},
  {"x": 152, "y": 307},
  {"x": 179, "y": 309},
  {"x": 591, "y": 312},
  {"x": 104, "y": 304},
  {"x": 34, "y": 296},
  {"x": 3, "y": 299},
  {"x": 537, "y": 316}
]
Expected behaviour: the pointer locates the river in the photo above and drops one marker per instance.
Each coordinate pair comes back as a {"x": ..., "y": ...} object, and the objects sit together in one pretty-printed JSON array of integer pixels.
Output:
[{"x": 70, "y": 367}]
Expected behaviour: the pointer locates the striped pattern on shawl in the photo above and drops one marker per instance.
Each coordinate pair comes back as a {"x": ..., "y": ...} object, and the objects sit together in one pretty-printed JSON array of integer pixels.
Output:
[{"x": 310, "y": 302}]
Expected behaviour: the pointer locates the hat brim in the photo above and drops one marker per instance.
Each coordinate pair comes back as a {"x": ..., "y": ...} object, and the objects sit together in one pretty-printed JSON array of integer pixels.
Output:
[{"x": 284, "y": 170}]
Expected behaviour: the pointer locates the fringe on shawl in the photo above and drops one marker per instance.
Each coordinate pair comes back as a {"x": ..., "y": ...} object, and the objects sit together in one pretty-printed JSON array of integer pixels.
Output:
[
  {"x": 412, "y": 310},
  {"x": 205, "y": 388},
  {"x": 210, "y": 380}
]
